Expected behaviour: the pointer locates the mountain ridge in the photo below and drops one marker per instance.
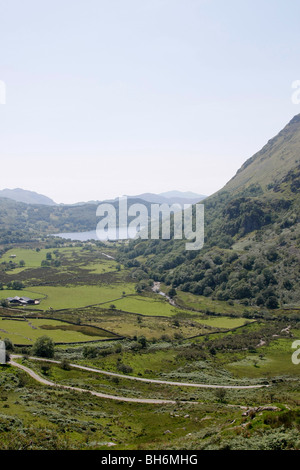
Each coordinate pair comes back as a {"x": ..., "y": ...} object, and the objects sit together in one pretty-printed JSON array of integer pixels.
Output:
[
  {"x": 26, "y": 196},
  {"x": 272, "y": 162}
]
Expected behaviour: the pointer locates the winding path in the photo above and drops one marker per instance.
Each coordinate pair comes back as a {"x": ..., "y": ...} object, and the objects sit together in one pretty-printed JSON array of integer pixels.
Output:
[{"x": 44, "y": 381}]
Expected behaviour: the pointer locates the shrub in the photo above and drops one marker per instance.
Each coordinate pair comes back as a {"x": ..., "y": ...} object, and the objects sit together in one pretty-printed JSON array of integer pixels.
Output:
[{"x": 43, "y": 347}]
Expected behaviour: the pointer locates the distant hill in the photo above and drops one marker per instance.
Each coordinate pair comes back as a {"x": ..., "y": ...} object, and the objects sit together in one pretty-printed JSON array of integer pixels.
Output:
[
  {"x": 182, "y": 195},
  {"x": 20, "y": 221},
  {"x": 27, "y": 197},
  {"x": 171, "y": 197}
]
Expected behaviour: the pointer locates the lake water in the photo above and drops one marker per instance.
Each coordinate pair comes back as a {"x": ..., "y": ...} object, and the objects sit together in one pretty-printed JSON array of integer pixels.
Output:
[{"x": 122, "y": 234}]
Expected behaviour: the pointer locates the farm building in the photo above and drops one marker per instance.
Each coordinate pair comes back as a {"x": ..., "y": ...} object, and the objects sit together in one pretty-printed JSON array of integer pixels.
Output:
[{"x": 22, "y": 301}]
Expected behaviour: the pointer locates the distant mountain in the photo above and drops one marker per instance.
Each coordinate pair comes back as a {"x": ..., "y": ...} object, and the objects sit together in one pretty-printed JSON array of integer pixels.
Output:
[
  {"x": 182, "y": 195},
  {"x": 27, "y": 197},
  {"x": 171, "y": 197}
]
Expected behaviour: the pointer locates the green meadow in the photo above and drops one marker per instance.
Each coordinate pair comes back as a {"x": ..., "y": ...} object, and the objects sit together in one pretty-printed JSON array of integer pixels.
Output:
[
  {"x": 63, "y": 297},
  {"x": 33, "y": 258},
  {"x": 203, "y": 304},
  {"x": 101, "y": 268},
  {"x": 146, "y": 306},
  {"x": 222, "y": 322},
  {"x": 27, "y": 331},
  {"x": 272, "y": 360}
]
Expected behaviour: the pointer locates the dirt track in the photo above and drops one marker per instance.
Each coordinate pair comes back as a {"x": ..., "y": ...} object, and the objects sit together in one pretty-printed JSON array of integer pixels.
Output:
[{"x": 44, "y": 381}]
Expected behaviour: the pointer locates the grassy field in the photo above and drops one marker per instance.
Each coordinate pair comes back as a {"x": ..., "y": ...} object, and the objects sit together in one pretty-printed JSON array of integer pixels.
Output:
[
  {"x": 73, "y": 296},
  {"x": 27, "y": 331},
  {"x": 147, "y": 306},
  {"x": 269, "y": 361},
  {"x": 222, "y": 322},
  {"x": 101, "y": 267},
  {"x": 20, "y": 293},
  {"x": 33, "y": 258},
  {"x": 203, "y": 304},
  {"x": 151, "y": 327}
]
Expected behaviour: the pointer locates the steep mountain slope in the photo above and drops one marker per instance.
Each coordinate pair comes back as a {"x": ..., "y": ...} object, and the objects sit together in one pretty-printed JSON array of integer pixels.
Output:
[
  {"x": 252, "y": 234},
  {"x": 279, "y": 156}
]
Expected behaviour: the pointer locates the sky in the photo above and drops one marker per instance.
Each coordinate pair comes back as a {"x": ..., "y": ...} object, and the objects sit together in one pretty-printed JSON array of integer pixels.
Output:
[{"x": 112, "y": 97}]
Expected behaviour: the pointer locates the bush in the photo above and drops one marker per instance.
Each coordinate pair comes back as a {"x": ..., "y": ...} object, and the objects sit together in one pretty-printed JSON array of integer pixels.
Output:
[
  {"x": 65, "y": 365},
  {"x": 220, "y": 394},
  {"x": 90, "y": 352},
  {"x": 124, "y": 368},
  {"x": 43, "y": 347}
]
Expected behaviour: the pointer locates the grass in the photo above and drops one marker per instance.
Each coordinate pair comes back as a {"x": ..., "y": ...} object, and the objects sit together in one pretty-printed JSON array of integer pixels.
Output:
[
  {"x": 203, "y": 304},
  {"x": 32, "y": 258},
  {"x": 26, "y": 332},
  {"x": 63, "y": 297},
  {"x": 59, "y": 418},
  {"x": 223, "y": 322},
  {"x": 146, "y": 306},
  {"x": 151, "y": 327},
  {"x": 20, "y": 293},
  {"x": 270, "y": 361},
  {"x": 101, "y": 267}
]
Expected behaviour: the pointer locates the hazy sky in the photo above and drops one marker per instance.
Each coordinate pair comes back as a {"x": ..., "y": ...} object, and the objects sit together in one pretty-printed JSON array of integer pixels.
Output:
[{"x": 111, "y": 97}]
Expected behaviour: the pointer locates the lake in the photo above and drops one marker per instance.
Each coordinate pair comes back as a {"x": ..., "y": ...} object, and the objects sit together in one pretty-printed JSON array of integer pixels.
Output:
[{"x": 93, "y": 235}]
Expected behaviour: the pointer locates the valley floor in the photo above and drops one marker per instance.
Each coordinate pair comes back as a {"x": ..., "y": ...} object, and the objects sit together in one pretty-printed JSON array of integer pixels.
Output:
[{"x": 133, "y": 370}]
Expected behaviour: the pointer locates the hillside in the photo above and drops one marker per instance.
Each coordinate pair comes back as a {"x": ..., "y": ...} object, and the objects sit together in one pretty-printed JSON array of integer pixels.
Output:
[
  {"x": 20, "y": 222},
  {"x": 252, "y": 234},
  {"x": 273, "y": 162},
  {"x": 28, "y": 197}
]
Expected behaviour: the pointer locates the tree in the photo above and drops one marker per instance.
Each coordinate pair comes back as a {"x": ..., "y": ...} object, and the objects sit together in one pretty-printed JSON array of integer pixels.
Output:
[
  {"x": 272, "y": 302},
  {"x": 8, "y": 344},
  {"x": 65, "y": 365},
  {"x": 143, "y": 342},
  {"x": 15, "y": 285},
  {"x": 45, "y": 369},
  {"x": 43, "y": 347},
  {"x": 220, "y": 394},
  {"x": 90, "y": 352},
  {"x": 172, "y": 292}
]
